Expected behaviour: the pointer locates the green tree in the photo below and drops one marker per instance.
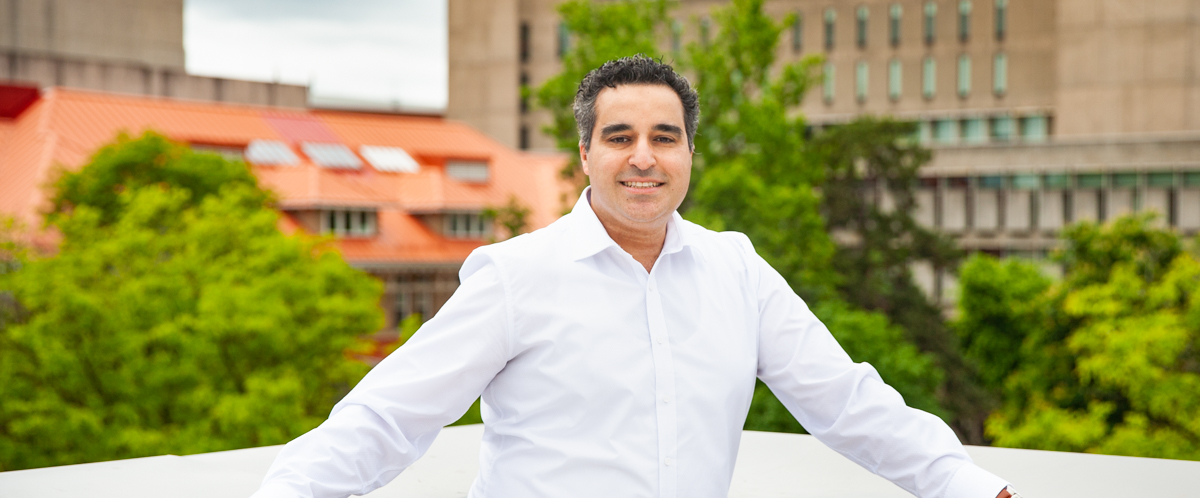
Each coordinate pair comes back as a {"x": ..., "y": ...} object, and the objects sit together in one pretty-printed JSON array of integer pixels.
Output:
[
  {"x": 512, "y": 216},
  {"x": 130, "y": 163},
  {"x": 181, "y": 324},
  {"x": 1114, "y": 367}
]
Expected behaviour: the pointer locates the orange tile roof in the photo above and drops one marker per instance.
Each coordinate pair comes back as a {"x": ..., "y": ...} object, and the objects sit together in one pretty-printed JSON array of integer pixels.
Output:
[{"x": 66, "y": 126}]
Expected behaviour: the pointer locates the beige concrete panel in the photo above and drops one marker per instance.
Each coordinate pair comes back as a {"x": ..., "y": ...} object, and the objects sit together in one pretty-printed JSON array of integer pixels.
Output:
[
  {"x": 954, "y": 209},
  {"x": 1086, "y": 204},
  {"x": 1079, "y": 57},
  {"x": 987, "y": 210},
  {"x": 1168, "y": 10},
  {"x": 924, "y": 276},
  {"x": 1090, "y": 111},
  {"x": 1124, "y": 11},
  {"x": 1189, "y": 208},
  {"x": 1050, "y": 212},
  {"x": 125, "y": 79},
  {"x": 1158, "y": 108},
  {"x": 1167, "y": 52},
  {"x": 923, "y": 214},
  {"x": 1120, "y": 203},
  {"x": 1016, "y": 210},
  {"x": 1157, "y": 200},
  {"x": 1077, "y": 13}
]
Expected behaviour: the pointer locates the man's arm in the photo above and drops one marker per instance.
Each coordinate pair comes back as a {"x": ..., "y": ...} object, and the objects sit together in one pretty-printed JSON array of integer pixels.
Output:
[
  {"x": 848, "y": 407},
  {"x": 392, "y": 416}
]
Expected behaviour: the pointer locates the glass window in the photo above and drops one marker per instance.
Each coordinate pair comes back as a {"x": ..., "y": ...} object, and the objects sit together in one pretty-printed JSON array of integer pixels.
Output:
[
  {"x": 677, "y": 35},
  {"x": 1161, "y": 179},
  {"x": 1000, "y": 74},
  {"x": 925, "y": 131},
  {"x": 828, "y": 82},
  {"x": 860, "y": 32},
  {"x": 991, "y": 182},
  {"x": 467, "y": 171},
  {"x": 797, "y": 34},
  {"x": 524, "y": 42},
  {"x": 1057, "y": 181},
  {"x": 894, "y": 79},
  {"x": 930, "y": 23},
  {"x": 348, "y": 222},
  {"x": 1001, "y": 19},
  {"x": 1025, "y": 182},
  {"x": 830, "y": 19},
  {"x": 1090, "y": 180},
  {"x": 945, "y": 131},
  {"x": 1034, "y": 128},
  {"x": 928, "y": 77},
  {"x": 564, "y": 39},
  {"x": 466, "y": 225},
  {"x": 1003, "y": 128},
  {"x": 1125, "y": 180},
  {"x": 964, "y": 20},
  {"x": 705, "y": 27},
  {"x": 1191, "y": 178},
  {"x": 964, "y": 75},
  {"x": 974, "y": 131},
  {"x": 860, "y": 81},
  {"x": 894, "y": 13}
]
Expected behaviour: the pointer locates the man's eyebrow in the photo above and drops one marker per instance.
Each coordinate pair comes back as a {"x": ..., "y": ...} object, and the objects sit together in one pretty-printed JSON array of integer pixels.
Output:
[
  {"x": 668, "y": 128},
  {"x": 615, "y": 128}
]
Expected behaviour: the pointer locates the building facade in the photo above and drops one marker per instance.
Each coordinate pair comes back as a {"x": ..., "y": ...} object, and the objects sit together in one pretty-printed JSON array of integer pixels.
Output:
[
  {"x": 404, "y": 196},
  {"x": 128, "y": 46},
  {"x": 1040, "y": 112}
]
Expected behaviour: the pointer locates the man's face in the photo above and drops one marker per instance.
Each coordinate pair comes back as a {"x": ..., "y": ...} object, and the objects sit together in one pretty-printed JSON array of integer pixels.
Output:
[{"x": 639, "y": 162}]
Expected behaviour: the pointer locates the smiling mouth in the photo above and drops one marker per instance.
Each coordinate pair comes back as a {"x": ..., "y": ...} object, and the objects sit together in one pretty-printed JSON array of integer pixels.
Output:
[{"x": 642, "y": 184}]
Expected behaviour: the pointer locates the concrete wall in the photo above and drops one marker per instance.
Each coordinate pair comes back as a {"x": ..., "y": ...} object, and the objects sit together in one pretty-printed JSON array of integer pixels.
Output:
[
  {"x": 144, "y": 31},
  {"x": 484, "y": 76},
  {"x": 143, "y": 79}
]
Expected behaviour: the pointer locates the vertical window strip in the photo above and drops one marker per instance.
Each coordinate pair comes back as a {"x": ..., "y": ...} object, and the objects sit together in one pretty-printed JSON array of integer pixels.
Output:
[
  {"x": 798, "y": 33},
  {"x": 705, "y": 28},
  {"x": 564, "y": 39},
  {"x": 1000, "y": 74},
  {"x": 676, "y": 35},
  {"x": 860, "y": 35},
  {"x": 929, "y": 77},
  {"x": 830, "y": 19},
  {"x": 930, "y": 23},
  {"x": 894, "y": 79},
  {"x": 964, "y": 75},
  {"x": 964, "y": 20},
  {"x": 894, "y": 14},
  {"x": 1001, "y": 19},
  {"x": 828, "y": 83},
  {"x": 861, "y": 81}
]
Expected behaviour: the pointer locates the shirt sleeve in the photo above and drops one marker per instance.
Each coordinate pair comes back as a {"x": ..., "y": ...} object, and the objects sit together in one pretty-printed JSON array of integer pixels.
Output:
[
  {"x": 393, "y": 415},
  {"x": 849, "y": 408}
]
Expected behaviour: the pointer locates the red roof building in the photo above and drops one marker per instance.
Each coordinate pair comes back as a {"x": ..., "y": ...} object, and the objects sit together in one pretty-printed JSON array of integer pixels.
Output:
[{"x": 403, "y": 194}]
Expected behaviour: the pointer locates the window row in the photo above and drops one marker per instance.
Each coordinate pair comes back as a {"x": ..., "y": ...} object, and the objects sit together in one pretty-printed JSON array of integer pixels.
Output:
[
  {"x": 348, "y": 222},
  {"x": 929, "y": 72},
  {"x": 466, "y": 225},
  {"x": 525, "y": 41},
  {"x": 981, "y": 130},
  {"x": 895, "y": 14},
  {"x": 1025, "y": 202}
]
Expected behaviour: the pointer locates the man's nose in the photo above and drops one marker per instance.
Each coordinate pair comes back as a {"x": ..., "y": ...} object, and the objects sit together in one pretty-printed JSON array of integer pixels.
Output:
[{"x": 643, "y": 155}]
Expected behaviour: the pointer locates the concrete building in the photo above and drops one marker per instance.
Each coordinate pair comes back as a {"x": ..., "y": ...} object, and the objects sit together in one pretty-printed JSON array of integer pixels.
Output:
[
  {"x": 1040, "y": 113},
  {"x": 128, "y": 46}
]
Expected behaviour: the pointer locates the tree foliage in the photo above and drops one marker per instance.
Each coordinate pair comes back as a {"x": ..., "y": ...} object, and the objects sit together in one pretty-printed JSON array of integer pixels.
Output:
[
  {"x": 174, "y": 320},
  {"x": 753, "y": 170},
  {"x": 1108, "y": 357}
]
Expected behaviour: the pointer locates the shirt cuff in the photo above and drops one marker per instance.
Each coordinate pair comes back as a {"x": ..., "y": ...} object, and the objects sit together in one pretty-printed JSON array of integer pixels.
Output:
[{"x": 971, "y": 481}]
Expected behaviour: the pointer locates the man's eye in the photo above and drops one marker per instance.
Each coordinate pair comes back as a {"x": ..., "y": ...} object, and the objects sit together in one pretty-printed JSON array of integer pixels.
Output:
[
  {"x": 619, "y": 140},
  {"x": 666, "y": 140}
]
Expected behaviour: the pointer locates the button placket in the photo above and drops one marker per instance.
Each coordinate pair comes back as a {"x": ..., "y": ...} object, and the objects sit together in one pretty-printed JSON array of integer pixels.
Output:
[{"x": 664, "y": 385}]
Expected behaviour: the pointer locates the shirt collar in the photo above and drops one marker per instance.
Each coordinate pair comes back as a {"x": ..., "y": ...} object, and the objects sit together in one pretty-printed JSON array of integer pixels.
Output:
[{"x": 590, "y": 237}]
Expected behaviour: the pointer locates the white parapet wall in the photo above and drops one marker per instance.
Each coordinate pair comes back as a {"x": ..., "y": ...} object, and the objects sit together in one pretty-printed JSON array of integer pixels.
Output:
[{"x": 769, "y": 465}]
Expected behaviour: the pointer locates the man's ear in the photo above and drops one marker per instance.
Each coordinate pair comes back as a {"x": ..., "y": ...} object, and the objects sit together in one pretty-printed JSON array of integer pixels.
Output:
[{"x": 583, "y": 158}]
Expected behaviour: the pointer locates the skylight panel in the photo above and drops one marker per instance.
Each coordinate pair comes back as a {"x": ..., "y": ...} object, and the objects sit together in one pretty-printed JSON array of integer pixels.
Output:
[
  {"x": 467, "y": 171},
  {"x": 391, "y": 159},
  {"x": 331, "y": 155},
  {"x": 270, "y": 152}
]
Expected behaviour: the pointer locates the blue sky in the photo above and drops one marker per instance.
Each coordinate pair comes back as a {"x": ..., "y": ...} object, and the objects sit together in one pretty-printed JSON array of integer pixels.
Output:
[{"x": 381, "y": 52}]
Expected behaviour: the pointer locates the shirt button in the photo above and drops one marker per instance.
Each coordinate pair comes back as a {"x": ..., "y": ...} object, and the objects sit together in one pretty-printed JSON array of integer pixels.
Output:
[
  {"x": 651, "y": 286},
  {"x": 659, "y": 340},
  {"x": 668, "y": 461},
  {"x": 666, "y": 399}
]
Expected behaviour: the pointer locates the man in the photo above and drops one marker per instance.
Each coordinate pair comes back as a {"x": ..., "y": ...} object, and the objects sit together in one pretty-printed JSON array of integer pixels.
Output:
[{"x": 617, "y": 349}]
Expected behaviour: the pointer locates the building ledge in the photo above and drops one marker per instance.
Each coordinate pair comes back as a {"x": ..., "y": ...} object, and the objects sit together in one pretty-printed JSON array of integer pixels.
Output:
[{"x": 769, "y": 465}]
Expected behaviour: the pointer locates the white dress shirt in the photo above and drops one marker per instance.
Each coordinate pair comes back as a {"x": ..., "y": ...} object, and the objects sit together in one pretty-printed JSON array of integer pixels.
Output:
[{"x": 602, "y": 380}]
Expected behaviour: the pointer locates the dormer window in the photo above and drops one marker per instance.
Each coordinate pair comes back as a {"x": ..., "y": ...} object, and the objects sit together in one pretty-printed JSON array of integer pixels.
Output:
[
  {"x": 467, "y": 171},
  {"x": 466, "y": 225},
  {"x": 348, "y": 222}
]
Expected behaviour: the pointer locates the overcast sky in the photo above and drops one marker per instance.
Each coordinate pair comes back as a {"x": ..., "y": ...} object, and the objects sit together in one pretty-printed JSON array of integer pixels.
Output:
[{"x": 390, "y": 52}]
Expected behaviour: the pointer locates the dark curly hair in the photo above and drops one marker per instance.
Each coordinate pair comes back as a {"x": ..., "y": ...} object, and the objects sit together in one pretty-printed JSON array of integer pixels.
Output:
[{"x": 635, "y": 70}]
